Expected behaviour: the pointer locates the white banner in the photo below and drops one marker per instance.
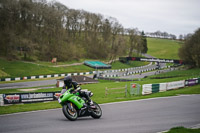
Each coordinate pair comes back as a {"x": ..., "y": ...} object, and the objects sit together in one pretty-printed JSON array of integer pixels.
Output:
[{"x": 175, "y": 85}]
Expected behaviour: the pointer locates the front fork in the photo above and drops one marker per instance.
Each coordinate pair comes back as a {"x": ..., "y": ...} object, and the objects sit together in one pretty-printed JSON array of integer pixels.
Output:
[{"x": 70, "y": 106}]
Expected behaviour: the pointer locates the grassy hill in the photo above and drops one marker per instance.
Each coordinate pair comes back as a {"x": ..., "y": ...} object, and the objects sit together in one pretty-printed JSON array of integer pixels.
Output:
[
  {"x": 21, "y": 69},
  {"x": 163, "y": 48}
]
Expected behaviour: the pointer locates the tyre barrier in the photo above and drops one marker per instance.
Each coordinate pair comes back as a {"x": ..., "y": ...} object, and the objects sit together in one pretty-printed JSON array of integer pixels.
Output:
[{"x": 161, "y": 87}]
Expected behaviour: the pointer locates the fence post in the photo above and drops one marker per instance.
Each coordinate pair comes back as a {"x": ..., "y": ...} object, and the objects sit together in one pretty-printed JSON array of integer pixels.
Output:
[
  {"x": 106, "y": 91},
  {"x": 125, "y": 90}
]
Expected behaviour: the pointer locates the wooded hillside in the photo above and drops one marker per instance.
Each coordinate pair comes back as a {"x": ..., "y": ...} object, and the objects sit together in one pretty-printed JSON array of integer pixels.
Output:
[{"x": 40, "y": 30}]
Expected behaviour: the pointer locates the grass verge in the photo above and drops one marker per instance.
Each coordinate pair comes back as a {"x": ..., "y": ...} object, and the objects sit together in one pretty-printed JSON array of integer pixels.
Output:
[
  {"x": 99, "y": 96},
  {"x": 183, "y": 130}
]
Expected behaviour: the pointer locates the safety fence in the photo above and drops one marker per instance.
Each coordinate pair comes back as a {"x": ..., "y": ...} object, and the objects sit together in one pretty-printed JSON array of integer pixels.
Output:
[
  {"x": 133, "y": 90},
  {"x": 118, "y": 90},
  {"x": 117, "y": 79},
  {"x": 161, "y": 87}
]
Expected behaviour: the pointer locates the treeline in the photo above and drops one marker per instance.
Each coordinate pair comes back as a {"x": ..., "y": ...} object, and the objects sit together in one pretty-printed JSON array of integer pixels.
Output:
[
  {"x": 160, "y": 34},
  {"x": 41, "y": 30},
  {"x": 189, "y": 51}
]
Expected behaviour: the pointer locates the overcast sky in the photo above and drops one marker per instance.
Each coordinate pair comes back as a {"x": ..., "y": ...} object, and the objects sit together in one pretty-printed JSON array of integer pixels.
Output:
[{"x": 173, "y": 16}]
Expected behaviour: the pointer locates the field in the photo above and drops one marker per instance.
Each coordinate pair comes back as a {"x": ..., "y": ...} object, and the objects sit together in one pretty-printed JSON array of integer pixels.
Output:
[
  {"x": 163, "y": 48},
  {"x": 21, "y": 69}
]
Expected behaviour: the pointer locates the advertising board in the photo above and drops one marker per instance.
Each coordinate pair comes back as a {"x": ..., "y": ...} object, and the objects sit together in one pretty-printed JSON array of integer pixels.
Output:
[
  {"x": 191, "y": 82},
  {"x": 30, "y": 97},
  {"x": 37, "y": 97},
  {"x": 11, "y": 98},
  {"x": 175, "y": 85}
]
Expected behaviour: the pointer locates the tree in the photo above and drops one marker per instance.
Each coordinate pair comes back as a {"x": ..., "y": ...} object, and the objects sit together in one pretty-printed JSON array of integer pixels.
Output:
[
  {"x": 189, "y": 52},
  {"x": 41, "y": 30},
  {"x": 144, "y": 43},
  {"x": 180, "y": 37},
  {"x": 132, "y": 40}
]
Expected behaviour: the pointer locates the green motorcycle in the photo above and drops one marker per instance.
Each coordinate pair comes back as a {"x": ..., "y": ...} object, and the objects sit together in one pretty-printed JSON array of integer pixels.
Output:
[{"x": 72, "y": 106}]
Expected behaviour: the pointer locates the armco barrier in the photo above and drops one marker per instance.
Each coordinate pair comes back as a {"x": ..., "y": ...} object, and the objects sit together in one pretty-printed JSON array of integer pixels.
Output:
[
  {"x": 46, "y": 76},
  {"x": 116, "y": 79}
]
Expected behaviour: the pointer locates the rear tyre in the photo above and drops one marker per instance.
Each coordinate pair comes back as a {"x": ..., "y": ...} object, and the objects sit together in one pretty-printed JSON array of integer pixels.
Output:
[
  {"x": 97, "y": 112},
  {"x": 70, "y": 114}
]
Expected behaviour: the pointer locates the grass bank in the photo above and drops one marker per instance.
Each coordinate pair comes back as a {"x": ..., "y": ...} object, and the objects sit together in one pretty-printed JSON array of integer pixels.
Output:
[
  {"x": 163, "y": 48},
  {"x": 183, "y": 130},
  {"x": 21, "y": 69},
  {"x": 178, "y": 74}
]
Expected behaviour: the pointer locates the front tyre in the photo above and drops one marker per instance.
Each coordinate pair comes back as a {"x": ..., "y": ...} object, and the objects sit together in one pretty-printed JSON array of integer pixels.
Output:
[
  {"x": 97, "y": 112},
  {"x": 70, "y": 114}
]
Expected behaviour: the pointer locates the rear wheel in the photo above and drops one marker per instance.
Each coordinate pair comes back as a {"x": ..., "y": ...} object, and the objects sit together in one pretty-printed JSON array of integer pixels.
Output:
[
  {"x": 70, "y": 114},
  {"x": 97, "y": 112}
]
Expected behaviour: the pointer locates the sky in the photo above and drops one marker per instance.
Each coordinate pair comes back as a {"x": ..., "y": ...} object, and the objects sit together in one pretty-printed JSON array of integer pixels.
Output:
[{"x": 173, "y": 16}]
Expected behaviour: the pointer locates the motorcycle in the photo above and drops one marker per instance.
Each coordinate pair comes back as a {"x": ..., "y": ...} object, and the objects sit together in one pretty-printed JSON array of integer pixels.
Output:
[{"x": 72, "y": 106}]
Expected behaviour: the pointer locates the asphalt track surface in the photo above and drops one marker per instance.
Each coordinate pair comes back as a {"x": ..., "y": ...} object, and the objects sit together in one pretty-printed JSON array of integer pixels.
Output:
[
  {"x": 141, "y": 116},
  {"x": 28, "y": 84}
]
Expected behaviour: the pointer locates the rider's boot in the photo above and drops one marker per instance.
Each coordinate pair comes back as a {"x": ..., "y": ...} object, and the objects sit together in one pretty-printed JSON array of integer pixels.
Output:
[
  {"x": 91, "y": 104},
  {"x": 83, "y": 109},
  {"x": 84, "y": 106}
]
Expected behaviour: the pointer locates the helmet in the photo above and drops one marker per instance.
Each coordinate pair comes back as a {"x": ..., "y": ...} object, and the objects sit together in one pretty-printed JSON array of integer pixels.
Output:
[{"x": 67, "y": 80}]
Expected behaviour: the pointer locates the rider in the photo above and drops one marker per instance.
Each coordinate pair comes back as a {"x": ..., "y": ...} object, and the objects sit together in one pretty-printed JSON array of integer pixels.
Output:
[{"x": 68, "y": 83}]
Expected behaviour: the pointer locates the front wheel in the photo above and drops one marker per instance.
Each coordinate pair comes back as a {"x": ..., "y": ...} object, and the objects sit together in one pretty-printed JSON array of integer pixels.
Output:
[
  {"x": 97, "y": 112},
  {"x": 70, "y": 114}
]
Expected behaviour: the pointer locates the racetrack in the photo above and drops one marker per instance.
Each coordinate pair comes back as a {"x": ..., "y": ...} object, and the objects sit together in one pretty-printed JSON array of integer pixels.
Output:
[{"x": 142, "y": 116}]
